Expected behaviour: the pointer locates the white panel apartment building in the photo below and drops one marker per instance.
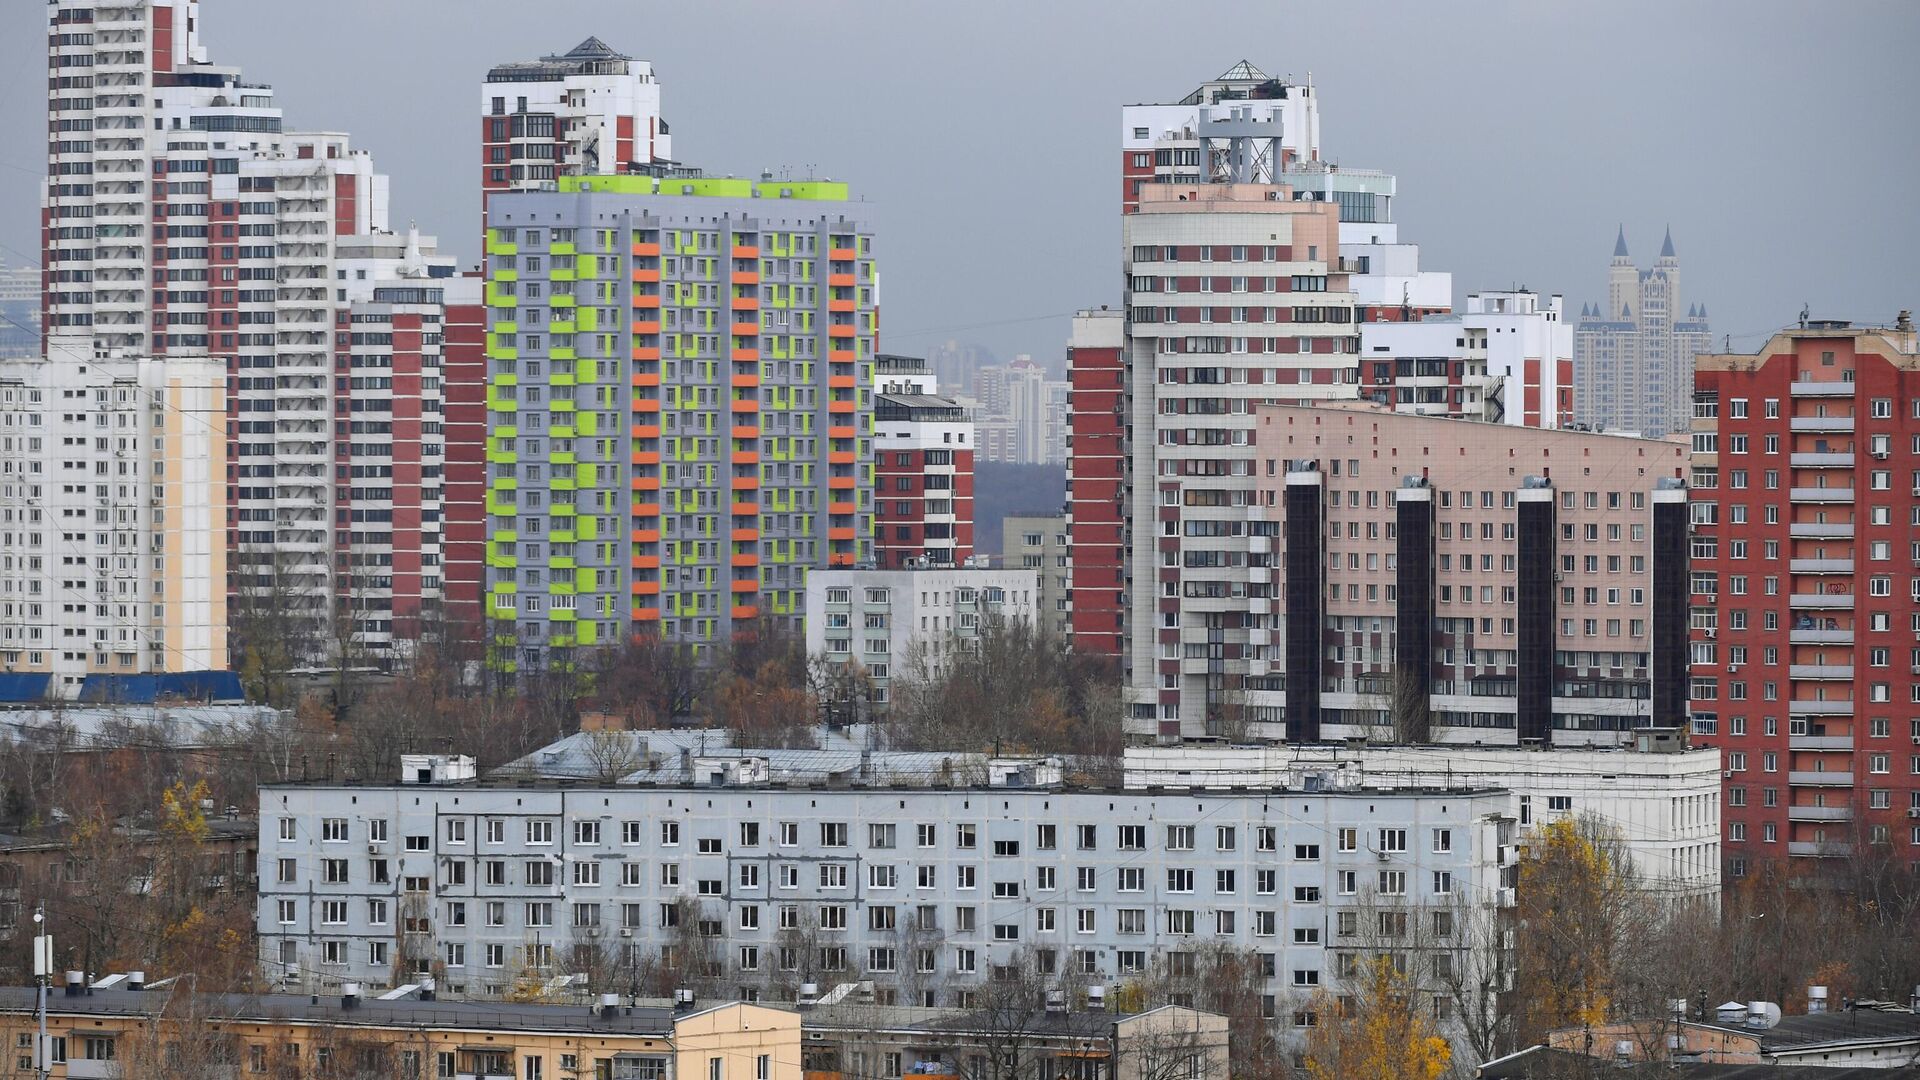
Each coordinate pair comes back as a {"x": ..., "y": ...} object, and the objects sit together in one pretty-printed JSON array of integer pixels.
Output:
[
  {"x": 925, "y": 891},
  {"x": 894, "y": 623},
  {"x": 112, "y": 514},
  {"x": 1660, "y": 803}
]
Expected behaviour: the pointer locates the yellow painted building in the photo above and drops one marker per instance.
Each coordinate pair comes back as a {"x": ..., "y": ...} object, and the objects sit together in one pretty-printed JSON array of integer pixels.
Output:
[{"x": 113, "y": 1032}]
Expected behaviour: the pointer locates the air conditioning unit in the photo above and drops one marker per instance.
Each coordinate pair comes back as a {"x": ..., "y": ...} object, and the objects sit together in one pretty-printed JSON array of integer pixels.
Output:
[
  {"x": 1913, "y": 811},
  {"x": 626, "y": 931},
  {"x": 1726, "y": 774},
  {"x": 373, "y": 848}
]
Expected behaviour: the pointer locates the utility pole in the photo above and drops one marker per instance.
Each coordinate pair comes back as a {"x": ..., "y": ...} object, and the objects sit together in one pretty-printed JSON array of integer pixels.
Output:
[{"x": 42, "y": 975}]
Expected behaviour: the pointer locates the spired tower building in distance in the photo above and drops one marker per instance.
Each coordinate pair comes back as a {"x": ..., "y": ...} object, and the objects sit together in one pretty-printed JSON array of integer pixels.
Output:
[{"x": 1633, "y": 356}]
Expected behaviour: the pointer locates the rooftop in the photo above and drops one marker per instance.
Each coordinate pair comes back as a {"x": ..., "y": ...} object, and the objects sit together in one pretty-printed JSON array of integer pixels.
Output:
[
  {"x": 590, "y": 57},
  {"x": 644, "y": 1020},
  {"x": 1541, "y": 1063}
]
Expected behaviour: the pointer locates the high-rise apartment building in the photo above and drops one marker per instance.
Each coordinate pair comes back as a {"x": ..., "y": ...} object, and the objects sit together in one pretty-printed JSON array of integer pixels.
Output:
[
  {"x": 1633, "y": 356},
  {"x": 1215, "y": 328},
  {"x": 1021, "y": 414},
  {"x": 1096, "y": 481},
  {"x": 1248, "y": 127},
  {"x": 1506, "y": 359},
  {"x": 924, "y": 448},
  {"x": 113, "y": 505},
  {"x": 181, "y": 218},
  {"x": 588, "y": 111},
  {"x": 1806, "y": 589},
  {"x": 1542, "y": 569},
  {"x": 390, "y": 504},
  {"x": 680, "y": 407}
]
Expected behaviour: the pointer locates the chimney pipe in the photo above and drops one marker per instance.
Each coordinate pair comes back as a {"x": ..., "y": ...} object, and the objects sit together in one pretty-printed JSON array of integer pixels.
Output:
[
  {"x": 136, "y": 980},
  {"x": 349, "y": 995},
  {"x": 426, "y": 989},
  {"x": 1816, "y": 1000},
  {"x": 76, "y": 981}
]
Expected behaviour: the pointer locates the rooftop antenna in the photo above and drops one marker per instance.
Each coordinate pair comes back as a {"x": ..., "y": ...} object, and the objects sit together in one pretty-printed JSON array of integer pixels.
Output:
[{"x": 1803, "y": 316}]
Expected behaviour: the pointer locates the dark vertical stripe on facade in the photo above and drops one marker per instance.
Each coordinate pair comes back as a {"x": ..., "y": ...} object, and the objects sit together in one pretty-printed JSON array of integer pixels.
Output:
[
  {"x": 1536, "y": 629},
  {"x": 1671, "y": 573},
  {"x": 1412, "y": 705},
  {"x": 1306, "y": 608}
]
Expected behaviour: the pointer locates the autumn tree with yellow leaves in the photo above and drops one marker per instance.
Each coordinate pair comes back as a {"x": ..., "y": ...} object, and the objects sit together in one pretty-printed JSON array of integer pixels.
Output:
[
  {"x": 1575, "y": 902},
  {"x": 1379, "y": 1031}
]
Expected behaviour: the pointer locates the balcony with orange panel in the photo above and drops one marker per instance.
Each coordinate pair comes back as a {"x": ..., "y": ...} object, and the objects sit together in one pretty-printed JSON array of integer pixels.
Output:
[
  {"x": 840, "y": 483},
  {"x": 840, "y": 431},
  {"x": 745, "y": 431},
  {"x": 646, "y": 562},
  {"x": 746, "y": 559},
  {"x": 646, "y": 457},
  {"x": 839, "y": 534},
  {"x": 839, "y": 382},
  {"x": 836, "y": 509},
  {"x": 746, "y": 303},
  {"x": 840, "y": 356},
  {"x": 646, "y": 509},
  {"x": 739, "y": 381},
  {"x": 646, "y": 483},
  {"x": 646, "y": 352},
  {"x": 746, "y": 457},
  {"x": 646, "y": 536},
  {"x": 646, "y": 249},
  {"x": 840, "y": 305},
  {"x": 746, "y": 251},
  {"x": 743, "y": 355},
  {"x": 840, "y": 406},
  {"x": 646, "y": 614},
  {"x": 646, "y": 431},
  {"x": 747, "y": 509},
  {"x": 744, "y": 483},
  {"x": 744, "y": 405},
  {"x": 842, "y": 330},
  {"x": 840, "y": 457},
  {"x": 646, "y": 326},
  {"x": 745, "y": 611},
  {"x": 743, "y": 277},
  {"x": 745, "y": 536},
  {"x": 646, "y": 378},
  {"x": 745, "y": 585},
  {"x": 646, "y": 588},
  {"x": 746, "y": 329},
  {"x": 840, "y": 558},
  {"x": 647, "y": 300},
  {"x": 644, "y": 274},
  {"x": 841, "y": 254},
  {"x": 840, "y": 281}
]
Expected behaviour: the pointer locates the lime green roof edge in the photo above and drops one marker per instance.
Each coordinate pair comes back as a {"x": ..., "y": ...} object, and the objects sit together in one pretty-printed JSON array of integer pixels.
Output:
[{"x": 709, "y": 186}]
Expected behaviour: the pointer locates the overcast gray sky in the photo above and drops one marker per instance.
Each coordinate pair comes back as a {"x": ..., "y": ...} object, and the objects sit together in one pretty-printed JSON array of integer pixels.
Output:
[{"x": 1777, "y": 137}]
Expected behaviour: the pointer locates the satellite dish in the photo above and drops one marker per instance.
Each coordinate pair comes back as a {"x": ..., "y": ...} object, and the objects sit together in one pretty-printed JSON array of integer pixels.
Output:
[{"x": 1772, "y": 1013}]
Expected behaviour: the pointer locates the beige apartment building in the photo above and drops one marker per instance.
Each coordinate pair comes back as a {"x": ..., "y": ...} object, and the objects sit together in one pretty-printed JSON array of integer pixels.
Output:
[{"x": 1547, "y": 566}]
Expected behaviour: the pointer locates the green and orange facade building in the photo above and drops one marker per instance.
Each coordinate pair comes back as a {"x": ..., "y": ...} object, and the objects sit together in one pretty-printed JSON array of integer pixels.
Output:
[{"x": 679, "y": 403}]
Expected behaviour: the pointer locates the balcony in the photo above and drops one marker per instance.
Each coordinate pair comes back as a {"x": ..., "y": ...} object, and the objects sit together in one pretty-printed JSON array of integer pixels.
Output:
[
  {"x": 1808, "y": 530},
  {"x": 1821, "y": 423},
  {"x": 1821, "y": 600},
  {"x": 1837, "y": 672},
  {"x": 1819, "y": 850},
  {"x": 1820, "y": 708},
  {"x": 1820, "y": 637},
  {"x": 1829, "y": 388},
  {"x": 1820, "y": 779},
  {"x": 1821, "y": 566},
  {"x": 1822, "y": 461},
  {"x": 1842, "y": 743},
  {"x": 1819, "y": 813},
  {"x": 1821, "y": 495}
]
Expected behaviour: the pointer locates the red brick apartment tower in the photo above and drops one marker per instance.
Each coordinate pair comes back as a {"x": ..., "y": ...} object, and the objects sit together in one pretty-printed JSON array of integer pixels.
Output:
[
  {"x": 923, "y": 468},
  {"x": 1806, "y": 590},
  {"x": 463, "y": 509},
  {"x": 1096, "y": 463}
]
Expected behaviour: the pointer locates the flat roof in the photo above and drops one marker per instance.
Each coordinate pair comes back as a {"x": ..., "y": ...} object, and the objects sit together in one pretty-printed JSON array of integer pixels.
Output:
[{"x": 644, "y": 1021}]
